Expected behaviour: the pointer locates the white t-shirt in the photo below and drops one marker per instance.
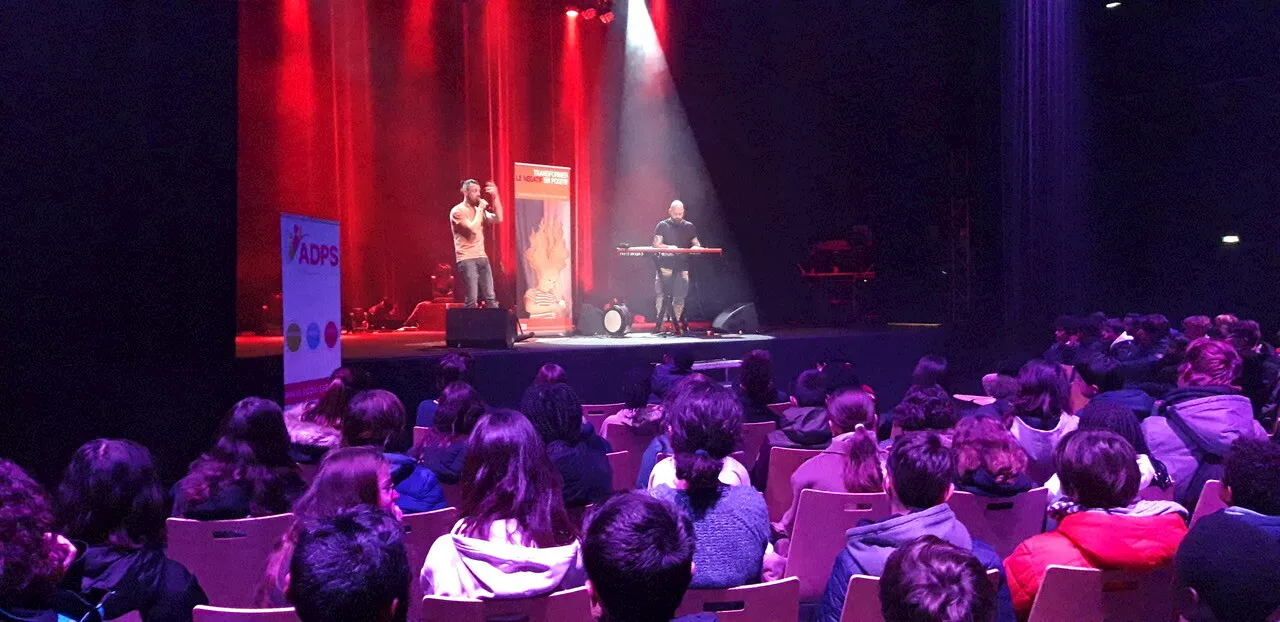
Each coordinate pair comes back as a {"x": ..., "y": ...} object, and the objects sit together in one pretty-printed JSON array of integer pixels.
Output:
[{"x": 732, "y": 473}]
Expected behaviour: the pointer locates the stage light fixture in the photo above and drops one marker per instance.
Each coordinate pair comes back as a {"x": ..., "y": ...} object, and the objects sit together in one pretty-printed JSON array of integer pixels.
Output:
[
  {"x": 589, "y": 14},
  {"x": 1230, "y": 239},
  {"x": 1112, "y": 5},
  {"x": 617, "y": 320},
  {"x": 571, "y": 11},
  {"x": 606, "y": 17}
]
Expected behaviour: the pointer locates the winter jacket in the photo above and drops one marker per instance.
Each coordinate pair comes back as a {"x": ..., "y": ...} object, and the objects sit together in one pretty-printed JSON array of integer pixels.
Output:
[
  {"x": 1265, "y": 522},
  {"x": 238, "y": 500},
  {"x": 584, "y": 468},
  {"x": 643, "y": 421},
  {"x": 731, "y": 534},
  {"x": 445, "y": 461},
  {"x": 799, "y": 427},
  {"x": 756, "y": 412},
  {"x": 61, "y": 606},
  {"x": 1140, "y": 402},
  {"x": 824, "y": 472},
  {"x": 144, "y": 580},
  {"x": 419, "y": 490},
  {"x": 982, "y": 483},
  {"x": 1193, "y": 431},
  {"x": 665, "y": 377},
  {"x": 1039, "y": 443},
  {"x": 311, "y": 438},
  {"x": 1139, "y": 538},
  {"x": 499, "y": 566},
  {"x": 869, "y": 546}
]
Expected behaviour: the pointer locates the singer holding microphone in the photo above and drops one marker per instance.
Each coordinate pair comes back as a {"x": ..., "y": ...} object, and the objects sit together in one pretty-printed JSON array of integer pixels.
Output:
[{"x": 468, "y": 219}]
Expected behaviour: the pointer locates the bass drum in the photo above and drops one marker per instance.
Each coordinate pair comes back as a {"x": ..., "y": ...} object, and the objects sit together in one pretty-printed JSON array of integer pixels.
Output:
[{"x": 617, "y": 320}]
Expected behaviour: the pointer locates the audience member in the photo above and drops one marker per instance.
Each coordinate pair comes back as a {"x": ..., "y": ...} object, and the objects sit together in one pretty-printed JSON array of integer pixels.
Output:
[
  {"x": 1109, "y": 333},
  {"x": 926, "y": 379},
  {"x": 577, "y": 452},
  {"x": 1101, "y": 377},
  {"x": 247, "y": 473},
  {"x": 1140, "y": 356},
  {"x": 351, "y": 567},
  {"x": 349, "y": 477},
  {"x": 919, "y": 479},
  {"x": 110, "y": 499},
  {"x": 852, "y": 462},
  {"x": 453, "y": 367},
  {"x": 1222, "y": 326},
  {"x": 643, "y": 418},
  {"x": 1196, "y": 326},
  {"x": 315, "y": 426},
  {"x": 1112, "y": 417},
  {"x": 1259, "y": 369},
  {"x": 1038, "y": 415},
  {"x": 802, "y": 426},
  {"x": 376, "y": 419},
  {"x": 989, "y": 460},
  {"x": 550, "y": 373},
  {"x": 1229, "y": 570},
  {"x": 676, "y": 365},
  {"x": 638, "y": 553},
  {"x": 1068, "y": 334},
  {"x": 1198, "y": 421},
  {"x": 930, "y": 579},
  {"x": 444, "y": 450},
  {"x": 1100, "y": 525},
  {"x": 730, "y": 519},
  {"x": 1251, "y": 484},
  {"x": 925, "y": 408},
  {"x": 661, "y": 444},
  {"x": 755, "y": 387},
  {"x": 33, "y": 560},
  {"x": 515, "y": 538}
]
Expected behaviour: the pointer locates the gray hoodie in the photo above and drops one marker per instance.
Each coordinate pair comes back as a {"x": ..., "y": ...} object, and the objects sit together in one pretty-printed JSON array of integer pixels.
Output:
[{"x": 1192, "y": 431}]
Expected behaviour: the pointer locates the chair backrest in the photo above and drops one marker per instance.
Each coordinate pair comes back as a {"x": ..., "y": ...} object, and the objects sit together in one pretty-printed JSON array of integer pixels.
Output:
[
  {"x": 783, "y": 461},
  {"x": 1068, "y": 594},
  {"x": 205, "y": 613},
  {"x": 862, "y": 602},
  {"x": 452, "y": 494},
  {"x": 1002, "y": 523},
  {"x": 622, "y": 438},
  {"x": 420, "y": 434},
  {"x": 595, "y": 414},
  {"x": 567, "y": 606},
  {"x": 762, "y": 602},
  {"x": 1139, "y": 596},
  {"x": 132, "y": 616},
  {"x": 626, "y": 467},
  {"x": 779, "y": 408},
  {"x": 753, "y": 437},
  {"x": 228, "y": 557},
  {"x": 818, "y": 535},
  {"x": 421, "y": 531},
  {"x": 1210, "y": 500}
]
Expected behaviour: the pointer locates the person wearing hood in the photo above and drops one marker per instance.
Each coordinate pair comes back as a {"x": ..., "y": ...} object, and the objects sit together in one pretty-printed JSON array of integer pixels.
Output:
[
  {"x": 1099, "y": 524},
  {"x": 444, "y": 450},
  {"x": 989, "y": 461},
  {"x": 1251, "y": 471},
  {"x": 919, "y": 479},
  {"x": 579, "y": 454},
  {"x": 515, "y": 539},
  {"x": 802, "y": 426},
  {"x": 1197, "y": 423},
  {"x": 110, "y": 500},
  {"x": 376, "y": 419}
]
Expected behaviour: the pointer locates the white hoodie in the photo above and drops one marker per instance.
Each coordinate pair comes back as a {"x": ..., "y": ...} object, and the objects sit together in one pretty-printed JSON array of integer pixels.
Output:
[{"x": 500, "y": 566}]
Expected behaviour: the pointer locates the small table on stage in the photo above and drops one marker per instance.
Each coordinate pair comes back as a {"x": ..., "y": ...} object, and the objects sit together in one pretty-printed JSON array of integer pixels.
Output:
[{"x": 667, "y": 312}]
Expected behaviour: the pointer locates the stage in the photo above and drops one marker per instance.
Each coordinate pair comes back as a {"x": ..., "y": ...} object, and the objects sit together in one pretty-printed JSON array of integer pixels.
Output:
[{"x": 403, "y": 361}]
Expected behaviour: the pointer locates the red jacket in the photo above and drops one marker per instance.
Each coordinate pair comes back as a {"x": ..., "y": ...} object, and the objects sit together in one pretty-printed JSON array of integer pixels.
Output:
[{"x": 1092, "y": 540}]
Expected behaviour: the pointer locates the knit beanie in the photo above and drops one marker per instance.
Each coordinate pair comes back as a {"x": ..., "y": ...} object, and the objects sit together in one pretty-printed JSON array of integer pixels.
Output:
[{"x": 1233, "y": 566}]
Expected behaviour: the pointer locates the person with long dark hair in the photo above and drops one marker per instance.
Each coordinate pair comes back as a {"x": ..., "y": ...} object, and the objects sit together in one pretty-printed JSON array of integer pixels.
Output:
[
  {"x": 453, "y": 367},
  {"x": 730, "y": 519},
  {"x": 514, "y": 538},
  {"x": 1038, "y": 418},
  {"x": 349, "y": 477},
  {"x": 755, "y": 388},
  {"x": 316, "y": 426},
  {"x": 643, "y": 418},
  {"x": 578, "y": 453},
  {"x": 110, "y": 499},
  {"x": 248, "y": 472},
  {"x": 444, "y": 451},
  {"x": 376, "y": 419}
]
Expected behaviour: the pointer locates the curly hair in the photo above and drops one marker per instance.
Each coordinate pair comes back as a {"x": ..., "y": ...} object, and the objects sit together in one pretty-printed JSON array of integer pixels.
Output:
[
  {"x": 982, "y": 442},
  {"x": 927, "y": 408},
  {"x": 28, "y": 558},
  {"x": 1209, "y": 363}
]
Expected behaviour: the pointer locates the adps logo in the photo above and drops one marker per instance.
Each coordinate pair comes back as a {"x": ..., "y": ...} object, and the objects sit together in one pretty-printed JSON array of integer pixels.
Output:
[
  {"x": 295, "y": 242},
  {"x": 309, "y": 254}
]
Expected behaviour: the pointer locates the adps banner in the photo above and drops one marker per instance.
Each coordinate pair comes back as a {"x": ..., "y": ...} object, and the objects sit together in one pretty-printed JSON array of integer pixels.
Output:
[{"x": 312, "y": 301}]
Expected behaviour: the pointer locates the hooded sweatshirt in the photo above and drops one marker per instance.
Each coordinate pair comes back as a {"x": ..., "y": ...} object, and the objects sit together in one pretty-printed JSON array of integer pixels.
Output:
[
  {"x": 144, "y": 580},
  {"x": 1194, "y": 429},
  {"x": 799, "y": 427},
  {"x": 1039, "y": 444},
  {"x": 499, "y": 566},
  {"x": 868, "y": 548},
  {"x": 1141, "y": 537}
]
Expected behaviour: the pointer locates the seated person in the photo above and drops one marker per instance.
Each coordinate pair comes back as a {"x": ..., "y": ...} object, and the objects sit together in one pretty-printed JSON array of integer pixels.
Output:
[
  {"x": 249, "y": 471},
  {"x": 661, "y": 444},
  {"x": 676, "y": 366},
  {"x": 919, "y": 479},
  {"x": 1103, "y": 384},
  {"x": 929, "y": 374},
  {"x": 376, "y": 419},
  {"x": 638, "y": 552},
  {"x": 853, "y": 462},
  {"x": 730, "y": 519},
  {"x": 1251, "y": 484},
  {"x": 351, "y": 567},
  {"x": 927, "y": 409},
  {"x": 444, "y": 450},
  {"x": 1037, "y": 416},
  {"x": 755, "y": 387},
  {"x": 802, "y": 426},
  {"x": 453, "y": 367},
  {"x": 514, "y": 538},
  {"x": 643, "y": 418},
  {"x": 1100, "y": 525},
  {"x": 989, "y": 460},
  {"x": 1196, "y": 326},
  {"x": 1068, "y": 335},
  {"x": 1228, "y": 570},
  {"x": 929, "y": 579},
  {"x": 550, "y": 373},
  {"x": 577, "y": 452},
  {"x": 1117, "y": 418},
  {"x": 315, "y": 426}
]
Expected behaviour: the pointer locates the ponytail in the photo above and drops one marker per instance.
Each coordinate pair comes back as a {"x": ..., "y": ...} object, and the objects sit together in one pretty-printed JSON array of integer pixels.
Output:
[
  {"x": 699, "y": 470},
  {"x": 863, "y": 473}
]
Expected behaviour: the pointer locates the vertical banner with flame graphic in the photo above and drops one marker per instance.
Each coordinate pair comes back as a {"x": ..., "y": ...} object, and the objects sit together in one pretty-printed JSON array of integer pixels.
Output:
[
  {"x": 312, "y": 301},
  {"x": 544, "y": 282}
]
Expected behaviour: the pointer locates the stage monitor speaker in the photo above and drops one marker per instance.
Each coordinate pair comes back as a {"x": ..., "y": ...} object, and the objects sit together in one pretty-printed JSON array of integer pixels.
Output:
[
  {"x": 590, "y": 320},
  {"x": 479, "y": 328},
  {"x": 738, "y": 319}
]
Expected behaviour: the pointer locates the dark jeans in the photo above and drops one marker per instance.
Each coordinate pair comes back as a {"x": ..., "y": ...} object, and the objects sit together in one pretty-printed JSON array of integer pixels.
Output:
[{"x": 477, "y": 281}]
